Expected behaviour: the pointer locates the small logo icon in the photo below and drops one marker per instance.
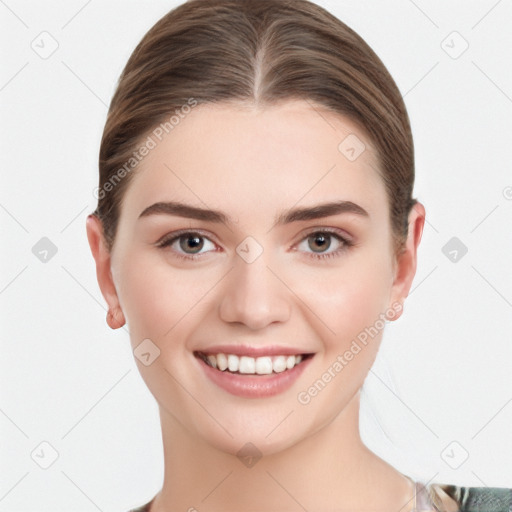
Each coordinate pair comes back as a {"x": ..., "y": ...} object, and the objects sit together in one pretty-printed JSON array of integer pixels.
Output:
[
  {"x": 249, "y": 455},
  {"x": 352, "y": 147},
  {"x": 146, "y": 352},
  {"x": 455, "y": 455},
  {"x": 249, "y": 250},
  {"x": 507, "y": 193},
  {"x": 454, "y": 249},
  {"x": 44, "y": 455},
  {"x": 45, "y": 45},
  {"x": 454, "y": 45},
  {"x": 44, "y": 250}
]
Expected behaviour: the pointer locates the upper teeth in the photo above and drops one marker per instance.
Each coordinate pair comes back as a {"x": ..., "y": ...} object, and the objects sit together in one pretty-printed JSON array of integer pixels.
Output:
[{"x": 259, "y": 365}]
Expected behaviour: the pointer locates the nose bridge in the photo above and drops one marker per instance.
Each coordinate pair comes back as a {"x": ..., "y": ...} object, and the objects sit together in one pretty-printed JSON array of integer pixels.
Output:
[{"x": 253, "y": 295}]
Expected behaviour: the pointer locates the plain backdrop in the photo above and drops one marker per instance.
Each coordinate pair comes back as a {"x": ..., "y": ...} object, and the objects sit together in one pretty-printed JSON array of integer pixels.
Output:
[{"x": 438, "y": 402}]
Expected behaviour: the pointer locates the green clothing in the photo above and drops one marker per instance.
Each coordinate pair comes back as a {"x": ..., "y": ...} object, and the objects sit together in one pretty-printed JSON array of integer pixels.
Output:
[{"x": 468, "y": 499}]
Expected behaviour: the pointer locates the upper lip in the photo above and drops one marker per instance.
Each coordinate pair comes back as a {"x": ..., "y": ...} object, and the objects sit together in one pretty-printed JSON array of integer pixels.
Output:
[{"x": 246, "y": 350}]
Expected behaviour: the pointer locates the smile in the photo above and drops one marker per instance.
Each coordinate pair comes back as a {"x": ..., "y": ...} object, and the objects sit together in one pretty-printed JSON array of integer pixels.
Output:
[
  {"x": 253, "y": 377},
  {"x": 251, "y": 365}
]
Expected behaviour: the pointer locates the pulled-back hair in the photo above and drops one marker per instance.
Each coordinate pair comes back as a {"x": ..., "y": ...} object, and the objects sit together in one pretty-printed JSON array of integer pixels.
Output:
[{"x": 261, "y": 52}]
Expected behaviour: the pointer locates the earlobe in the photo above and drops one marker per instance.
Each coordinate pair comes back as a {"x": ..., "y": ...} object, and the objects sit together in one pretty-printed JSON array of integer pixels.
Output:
[
  {"x": 115, "y": 318},
  {"x": 405, "y": 267},
  {"x": 102, "y": 257}
]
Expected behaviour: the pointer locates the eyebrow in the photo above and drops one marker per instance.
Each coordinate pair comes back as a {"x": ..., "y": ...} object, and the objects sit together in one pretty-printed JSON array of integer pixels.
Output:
[{"x": 287, "y": 217}]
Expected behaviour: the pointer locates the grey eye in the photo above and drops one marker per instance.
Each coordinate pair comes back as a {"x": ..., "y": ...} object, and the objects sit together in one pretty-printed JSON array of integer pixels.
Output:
[
  {"x": 191, "y": 244},
  {"x": 319, "y": 242}
]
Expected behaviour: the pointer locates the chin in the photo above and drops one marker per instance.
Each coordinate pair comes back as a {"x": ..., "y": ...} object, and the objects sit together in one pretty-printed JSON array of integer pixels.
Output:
[{"x": 252, "y": 443}]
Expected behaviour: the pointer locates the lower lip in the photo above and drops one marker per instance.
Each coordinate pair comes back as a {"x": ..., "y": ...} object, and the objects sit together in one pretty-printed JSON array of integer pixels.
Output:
[{"x": 254, "y": 386}]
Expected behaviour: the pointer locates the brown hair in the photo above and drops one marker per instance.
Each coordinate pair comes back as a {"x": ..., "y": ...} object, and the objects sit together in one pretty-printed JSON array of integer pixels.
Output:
[{"x": 262, "y": 52}]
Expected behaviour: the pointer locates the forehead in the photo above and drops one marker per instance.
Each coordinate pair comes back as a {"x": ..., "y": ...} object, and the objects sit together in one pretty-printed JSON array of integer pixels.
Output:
[{"x": 244, "y": 157}]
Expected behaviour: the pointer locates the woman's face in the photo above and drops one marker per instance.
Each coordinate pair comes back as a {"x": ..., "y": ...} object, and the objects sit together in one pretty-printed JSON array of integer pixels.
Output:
[{"x": 272, "y": 239}]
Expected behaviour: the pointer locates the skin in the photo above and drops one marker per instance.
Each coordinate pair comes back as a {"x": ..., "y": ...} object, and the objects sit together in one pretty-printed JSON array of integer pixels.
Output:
[{"x": 252, "y": 164}]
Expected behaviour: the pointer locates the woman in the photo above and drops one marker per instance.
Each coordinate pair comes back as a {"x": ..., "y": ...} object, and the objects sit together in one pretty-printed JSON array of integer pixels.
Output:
[{"x": 256, "y": 230}]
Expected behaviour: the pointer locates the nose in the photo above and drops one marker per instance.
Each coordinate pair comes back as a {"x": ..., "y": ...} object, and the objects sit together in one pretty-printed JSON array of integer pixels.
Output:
[{"x": 254, "y": 296}]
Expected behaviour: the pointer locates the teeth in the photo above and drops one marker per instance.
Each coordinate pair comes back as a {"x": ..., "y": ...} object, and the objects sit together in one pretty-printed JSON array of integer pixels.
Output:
[
  {"x": 222, "y": 361},
  {"x": 249, "y": 365},
  {"x": 279, "y": 364},
  {"x": 264, "y": 365},
  {"x": 233, "y": 363}
]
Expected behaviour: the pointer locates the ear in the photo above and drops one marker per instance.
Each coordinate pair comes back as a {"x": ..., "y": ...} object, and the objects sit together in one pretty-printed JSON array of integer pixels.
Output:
[
  {"x": 406, "y": 262},
  {"x": 102, "y": 257}
]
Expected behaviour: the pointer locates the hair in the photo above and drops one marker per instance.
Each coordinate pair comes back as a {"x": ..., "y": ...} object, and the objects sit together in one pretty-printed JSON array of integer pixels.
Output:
[{"x": 259, "y": 52}]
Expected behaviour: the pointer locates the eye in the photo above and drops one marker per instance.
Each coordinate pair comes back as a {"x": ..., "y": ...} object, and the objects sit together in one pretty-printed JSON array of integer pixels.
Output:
[
  {"x": 324, "y": 244},
  {"x": 187, "y": 244}
]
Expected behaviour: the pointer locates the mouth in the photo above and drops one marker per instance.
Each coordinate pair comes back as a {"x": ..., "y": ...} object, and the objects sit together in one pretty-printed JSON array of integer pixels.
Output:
[
  {"x": 252, "y": 372},
  {"x": 252, "y": 366}
]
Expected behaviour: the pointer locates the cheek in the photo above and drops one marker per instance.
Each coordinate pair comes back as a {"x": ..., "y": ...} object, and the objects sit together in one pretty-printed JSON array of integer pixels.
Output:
[
  {"x": 157, "y": 298},
  {"x": 348, "y": 299},
  {"x": 351, "y": 302}
]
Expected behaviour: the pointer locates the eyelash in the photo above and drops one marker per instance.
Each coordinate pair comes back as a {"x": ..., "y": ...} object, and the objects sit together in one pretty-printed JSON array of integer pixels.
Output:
[{"x": 346, "y": 243}]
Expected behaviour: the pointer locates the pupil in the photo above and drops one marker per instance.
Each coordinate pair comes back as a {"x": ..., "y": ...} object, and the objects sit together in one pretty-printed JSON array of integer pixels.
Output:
[
  {"x": 191, "y": 242},
  {"x": 323, "y": 242}
]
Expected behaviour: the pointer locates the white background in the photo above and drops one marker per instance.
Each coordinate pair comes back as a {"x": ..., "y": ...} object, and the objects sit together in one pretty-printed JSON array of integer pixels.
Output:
[{"x": 444, "y": 372}]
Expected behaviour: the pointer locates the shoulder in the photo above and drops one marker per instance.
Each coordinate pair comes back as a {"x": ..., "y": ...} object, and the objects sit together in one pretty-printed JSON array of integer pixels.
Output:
[{"x": 471, "y": 499}]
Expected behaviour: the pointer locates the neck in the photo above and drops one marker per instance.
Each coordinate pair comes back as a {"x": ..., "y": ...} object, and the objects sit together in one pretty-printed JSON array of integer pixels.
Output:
[{"x": 331, "y": 469}]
